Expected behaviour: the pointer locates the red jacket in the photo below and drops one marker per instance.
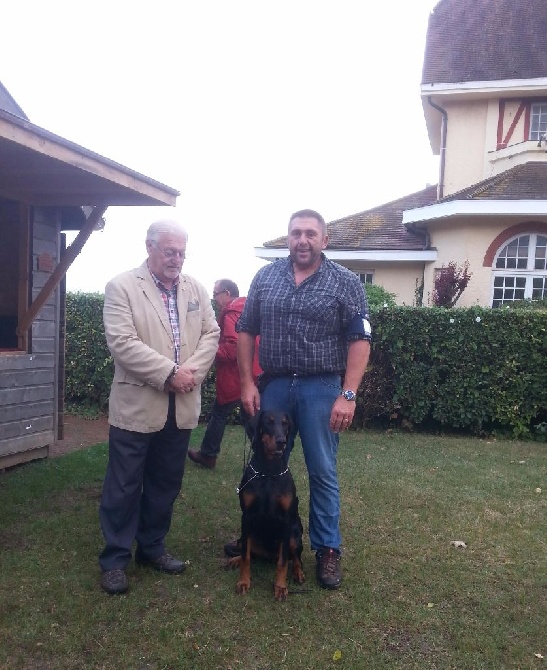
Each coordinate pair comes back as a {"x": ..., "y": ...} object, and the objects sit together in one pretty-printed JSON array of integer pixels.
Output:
[{"x": 227, "y": 373}]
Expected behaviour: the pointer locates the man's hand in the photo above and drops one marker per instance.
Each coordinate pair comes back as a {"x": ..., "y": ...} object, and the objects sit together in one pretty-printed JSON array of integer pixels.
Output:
[
  {"x": 342, "y": 413},
  {"x": 183, "y": 380},
  {"x": 250, "y": 399}
]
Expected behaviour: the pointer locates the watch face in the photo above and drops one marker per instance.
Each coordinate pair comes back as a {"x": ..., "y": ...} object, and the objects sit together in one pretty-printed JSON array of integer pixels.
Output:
[{"x": 348, "y": 395}]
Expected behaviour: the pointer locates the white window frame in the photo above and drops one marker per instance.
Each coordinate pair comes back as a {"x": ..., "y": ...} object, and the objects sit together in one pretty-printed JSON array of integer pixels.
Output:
[
  {"x": 538, "y": 120},
  {"x": 530, "y": 279},
  {"x": 366, "y": 277}
]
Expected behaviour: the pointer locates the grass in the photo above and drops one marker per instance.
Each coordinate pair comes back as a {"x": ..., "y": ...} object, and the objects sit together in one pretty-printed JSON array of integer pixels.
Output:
[{"x": 409, "y": 598}]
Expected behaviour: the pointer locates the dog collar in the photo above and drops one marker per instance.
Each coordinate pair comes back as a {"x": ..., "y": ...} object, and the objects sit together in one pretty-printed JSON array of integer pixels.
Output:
[{"x": 259, "y": 474}]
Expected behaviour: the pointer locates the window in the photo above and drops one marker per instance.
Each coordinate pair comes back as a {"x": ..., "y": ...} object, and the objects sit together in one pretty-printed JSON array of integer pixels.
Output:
[
  {"x": 520, "y": 269},
  {"x": 538, "y": 120},
  {"x": 366, "y": 277}
]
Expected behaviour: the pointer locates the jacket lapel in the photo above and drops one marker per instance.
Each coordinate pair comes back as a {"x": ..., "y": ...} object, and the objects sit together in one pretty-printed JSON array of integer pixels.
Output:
[{"x": 150, "y": 290}]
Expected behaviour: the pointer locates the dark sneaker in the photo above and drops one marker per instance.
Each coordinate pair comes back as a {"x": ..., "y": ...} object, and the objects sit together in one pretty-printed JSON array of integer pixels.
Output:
[
  {"x": 233, "y": 549},
  {"x": 114, "y": 581},
  {"x": 328, "y": 568},
  {"x": 208, "y": 462},
  {"x": 165, "y": 563}
]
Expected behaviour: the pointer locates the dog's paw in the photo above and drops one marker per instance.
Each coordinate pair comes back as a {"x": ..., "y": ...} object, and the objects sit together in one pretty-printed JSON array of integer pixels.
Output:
[
  {"x": 280, "y": 593},
  {"x": 242, "y": 587},
  {"x": 298, "y": 575},
  {"x": 232, "y": 563}
]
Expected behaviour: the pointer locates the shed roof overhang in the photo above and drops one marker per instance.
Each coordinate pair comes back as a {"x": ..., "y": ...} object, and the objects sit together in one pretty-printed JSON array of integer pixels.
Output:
[
  {"x": 376, "y": 255},
  {"x": 455, "y": 211},
  {"x": 40, "y": 168}
]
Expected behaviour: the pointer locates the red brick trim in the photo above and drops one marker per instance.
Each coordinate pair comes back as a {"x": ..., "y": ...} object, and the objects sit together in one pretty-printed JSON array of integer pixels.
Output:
[{"x": 507, "y": 234}]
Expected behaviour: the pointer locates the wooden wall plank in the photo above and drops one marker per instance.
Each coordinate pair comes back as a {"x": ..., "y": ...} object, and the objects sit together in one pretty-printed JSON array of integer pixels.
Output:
[
  {"x": 26, "y": 442},
  {"x": 26, "y": 427},
  {"x": 16, "y": 412},
  {"x": 26, "y": 361},
  {"x": 44, "y": 329},
  {"x": 23, "y": 457},
  {"x": 18, "y": 379},
  {"x": 28, "y": 394}
]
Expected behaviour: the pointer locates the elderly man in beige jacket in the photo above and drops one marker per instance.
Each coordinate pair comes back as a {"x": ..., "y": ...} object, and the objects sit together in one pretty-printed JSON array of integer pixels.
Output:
[{"x": 163, "y": 336}]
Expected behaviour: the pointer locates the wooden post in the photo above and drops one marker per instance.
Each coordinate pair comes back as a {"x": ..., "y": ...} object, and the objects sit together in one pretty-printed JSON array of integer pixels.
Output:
[{"x": 72, "y": 251}]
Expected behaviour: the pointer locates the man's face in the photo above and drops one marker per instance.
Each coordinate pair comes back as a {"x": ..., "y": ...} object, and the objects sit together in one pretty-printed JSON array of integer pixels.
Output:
[
  {"x": 166, "y": 256},
  {"x": 222, "y": 297},
  {"x": 306, "y": 241}
]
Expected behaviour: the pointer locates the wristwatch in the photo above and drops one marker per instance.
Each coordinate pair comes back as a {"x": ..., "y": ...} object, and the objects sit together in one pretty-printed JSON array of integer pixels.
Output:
[{"x": 348, "y": 395}]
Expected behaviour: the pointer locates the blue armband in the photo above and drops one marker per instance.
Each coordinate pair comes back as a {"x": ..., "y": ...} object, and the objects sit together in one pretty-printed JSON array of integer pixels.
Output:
[{"x": 359, "y": 328}]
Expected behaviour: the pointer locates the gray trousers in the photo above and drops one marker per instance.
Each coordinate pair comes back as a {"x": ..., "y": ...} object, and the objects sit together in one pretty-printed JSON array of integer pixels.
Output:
[{"x": 143, "y": 479}]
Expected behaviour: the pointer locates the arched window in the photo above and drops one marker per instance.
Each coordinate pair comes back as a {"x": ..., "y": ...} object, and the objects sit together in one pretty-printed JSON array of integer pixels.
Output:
[{"x": 520, "y": 270}]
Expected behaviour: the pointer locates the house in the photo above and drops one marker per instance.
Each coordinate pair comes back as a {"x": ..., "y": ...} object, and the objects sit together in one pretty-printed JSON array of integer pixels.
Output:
[
  {"x": 484, "y": 95},
  {"x": 48, "y": 185}
]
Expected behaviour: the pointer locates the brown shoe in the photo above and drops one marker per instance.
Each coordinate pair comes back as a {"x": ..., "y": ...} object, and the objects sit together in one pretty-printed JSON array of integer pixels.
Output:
[
  {"x": 114, "y": 582},
  {"x": 208, "y": 462},
  {"x": 328, "y": 569}
]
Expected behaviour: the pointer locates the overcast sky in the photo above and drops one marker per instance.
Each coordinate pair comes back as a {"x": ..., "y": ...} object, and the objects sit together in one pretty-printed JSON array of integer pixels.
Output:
[{"x": 250, "y": 109}]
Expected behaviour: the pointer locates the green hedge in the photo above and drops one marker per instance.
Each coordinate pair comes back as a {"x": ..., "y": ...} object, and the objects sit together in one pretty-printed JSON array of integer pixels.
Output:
[
  {"x": 472, "y": 369},
  {"x": 89, "y": 365}
]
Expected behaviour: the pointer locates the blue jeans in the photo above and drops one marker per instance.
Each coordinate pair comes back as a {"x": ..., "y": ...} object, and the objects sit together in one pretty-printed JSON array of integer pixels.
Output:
[{"x": 309, "y": 401}]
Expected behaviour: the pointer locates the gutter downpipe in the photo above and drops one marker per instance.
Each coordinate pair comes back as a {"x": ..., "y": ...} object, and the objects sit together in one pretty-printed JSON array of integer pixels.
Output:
[{"x": 444, "y": 126}]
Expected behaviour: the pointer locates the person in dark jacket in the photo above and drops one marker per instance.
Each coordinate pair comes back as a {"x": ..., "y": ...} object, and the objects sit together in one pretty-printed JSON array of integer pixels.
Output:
[{"x": 228, "y": 393}]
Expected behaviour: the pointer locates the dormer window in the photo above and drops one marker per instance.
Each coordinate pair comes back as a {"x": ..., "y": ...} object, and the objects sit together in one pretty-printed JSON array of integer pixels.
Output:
[{"x": 538, "y": 120}]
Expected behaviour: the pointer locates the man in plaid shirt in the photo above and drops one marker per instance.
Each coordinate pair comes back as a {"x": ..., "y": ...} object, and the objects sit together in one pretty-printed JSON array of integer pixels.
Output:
[{"x": 312, "y": 318}]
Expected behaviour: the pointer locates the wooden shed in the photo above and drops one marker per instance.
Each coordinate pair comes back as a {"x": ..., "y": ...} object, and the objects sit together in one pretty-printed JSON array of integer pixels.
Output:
[{"x": 48, "y": 185}]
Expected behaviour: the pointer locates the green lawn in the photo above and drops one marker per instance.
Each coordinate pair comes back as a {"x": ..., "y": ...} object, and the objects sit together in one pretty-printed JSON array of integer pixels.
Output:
[{"x": 409, "y": 598}]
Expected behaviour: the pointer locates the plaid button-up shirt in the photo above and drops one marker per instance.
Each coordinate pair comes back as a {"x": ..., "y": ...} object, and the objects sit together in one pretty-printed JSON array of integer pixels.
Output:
[
  {"x": 169, "y": 297},
  {"x": 303, "y": 329}
]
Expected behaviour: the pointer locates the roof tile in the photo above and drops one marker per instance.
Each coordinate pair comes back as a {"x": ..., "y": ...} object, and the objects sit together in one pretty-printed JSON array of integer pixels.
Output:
[
  {"x": 485, "y": 40},
  {"x": 380, "y": 228}
]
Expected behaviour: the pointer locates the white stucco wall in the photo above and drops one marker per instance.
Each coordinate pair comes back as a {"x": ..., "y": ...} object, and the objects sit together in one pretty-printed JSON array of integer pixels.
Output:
[
  {"x": 397, "y": 278},
  {"x": 468, "y": 123},
  {"x": 460, "y": 242}
]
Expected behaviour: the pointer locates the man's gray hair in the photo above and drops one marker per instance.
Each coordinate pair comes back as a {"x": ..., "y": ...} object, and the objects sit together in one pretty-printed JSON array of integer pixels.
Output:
[{"x": 165, "y": 226}]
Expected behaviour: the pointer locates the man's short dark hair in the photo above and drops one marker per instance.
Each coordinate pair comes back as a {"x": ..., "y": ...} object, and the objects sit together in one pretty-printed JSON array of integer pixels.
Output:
[
  {"x": 228, "y": 285},
  {"x": 310, "y": 214}
]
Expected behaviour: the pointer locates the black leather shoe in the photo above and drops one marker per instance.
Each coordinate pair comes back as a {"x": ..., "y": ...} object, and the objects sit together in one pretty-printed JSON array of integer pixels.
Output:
[
  {"x": 114, "y": 582},
  {"x": 233, "y": 549},
  {"x": 208, "y": 462},
  {"x": 328, "y": 569},
  {"x": 165, "y": 563}
]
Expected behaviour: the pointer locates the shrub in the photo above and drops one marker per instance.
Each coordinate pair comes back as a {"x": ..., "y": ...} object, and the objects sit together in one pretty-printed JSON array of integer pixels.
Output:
[
  {"x": 473, "y": 369},
  {"x": 378, "y": 296},
  {"x": 450, "y": 282},
  {"x": 88, "y": 363}
]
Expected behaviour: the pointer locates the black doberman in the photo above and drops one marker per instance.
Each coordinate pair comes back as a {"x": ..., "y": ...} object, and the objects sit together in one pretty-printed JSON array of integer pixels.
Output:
[{"x": 270, "y": 524}]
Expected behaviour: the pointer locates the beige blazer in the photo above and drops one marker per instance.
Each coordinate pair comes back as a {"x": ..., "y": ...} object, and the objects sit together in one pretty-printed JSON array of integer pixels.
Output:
[{"x": 140, "y": 340}]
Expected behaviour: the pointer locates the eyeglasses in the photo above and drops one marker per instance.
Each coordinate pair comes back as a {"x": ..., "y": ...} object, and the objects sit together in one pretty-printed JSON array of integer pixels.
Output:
[
  {"x": 215, "y": 293},
  {"x": 170, "y": 253}
]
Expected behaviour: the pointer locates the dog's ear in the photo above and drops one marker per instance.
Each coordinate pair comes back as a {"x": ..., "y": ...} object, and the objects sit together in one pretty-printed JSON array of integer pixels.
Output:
[
  {"x": 288, "y": 419},
  {"x": 255, "y": 423}
]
